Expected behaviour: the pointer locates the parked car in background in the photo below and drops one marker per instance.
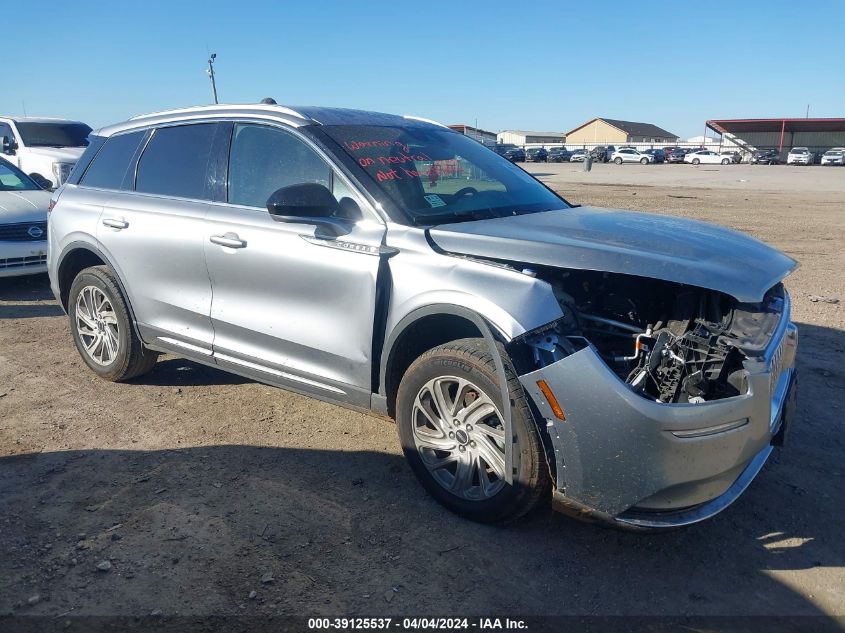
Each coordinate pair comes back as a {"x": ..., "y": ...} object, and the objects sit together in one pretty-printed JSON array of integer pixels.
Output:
[
  {"x": 45, "y": 149},
  {"x": 513, "y": 153},
  {"x": 23, "y": 223},
  {"x": 765, "y": 157},
  {"x": 602, "y": 153},
  {"x": 657, "y": 155},
  {"x": 630, "y": 155},
  {"x": 635, "y": 368},
  {"x": 676, "y": 155},
  {"x": 559, "y": 155},
  {"x": 734, "y": 155},
  {"x": 835, "y": 156},
  {"x": 537, "y": 155},
  {"x": 578, "y": 156},
  {"x": 708, "y": 157},
  {"x": 799, "y": 156}
]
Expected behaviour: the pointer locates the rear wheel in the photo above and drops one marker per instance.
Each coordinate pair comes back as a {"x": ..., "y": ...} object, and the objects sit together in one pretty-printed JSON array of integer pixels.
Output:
[
  {"x": 618, "y": 161},
  {"x": 102, "y": 328},
  {"x": 448, "y": 412},
  {"x": 696, "y": 161}
]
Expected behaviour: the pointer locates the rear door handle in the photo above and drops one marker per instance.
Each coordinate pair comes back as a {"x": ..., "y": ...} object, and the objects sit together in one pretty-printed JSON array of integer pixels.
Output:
[
  {"x": 114, "y": 223},
  {"x": 231, "y": 240}
]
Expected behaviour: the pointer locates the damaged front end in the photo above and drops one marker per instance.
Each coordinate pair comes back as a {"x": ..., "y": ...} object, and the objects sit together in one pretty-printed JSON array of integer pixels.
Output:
[{"x": 661, "y": 400}]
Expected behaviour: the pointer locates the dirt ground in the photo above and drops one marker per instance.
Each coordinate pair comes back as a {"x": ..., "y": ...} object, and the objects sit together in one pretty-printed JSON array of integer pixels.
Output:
[{"x": 198, "y": 487}]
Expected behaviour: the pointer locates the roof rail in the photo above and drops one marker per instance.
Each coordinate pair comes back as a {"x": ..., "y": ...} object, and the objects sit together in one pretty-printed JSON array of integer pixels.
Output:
[
  {"x": 223, "y": 106},
  {"x": 419, "y": 118}
]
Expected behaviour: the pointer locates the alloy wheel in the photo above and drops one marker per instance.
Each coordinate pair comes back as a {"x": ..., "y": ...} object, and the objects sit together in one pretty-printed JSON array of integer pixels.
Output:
[
  {"x": 96, "y": 323},
  {"x": 460, "y": 437}
]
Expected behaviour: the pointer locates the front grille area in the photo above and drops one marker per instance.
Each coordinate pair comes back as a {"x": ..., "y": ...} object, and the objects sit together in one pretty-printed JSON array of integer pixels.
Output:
[
  {"x": 22, "y": 262},
  {"x": 23, "y": 232}
]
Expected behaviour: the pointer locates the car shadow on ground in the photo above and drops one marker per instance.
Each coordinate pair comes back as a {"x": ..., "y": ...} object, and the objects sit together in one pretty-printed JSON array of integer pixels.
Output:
[
  {"x": 178, "y": 372},
  {"x": 26, "y": 297}
]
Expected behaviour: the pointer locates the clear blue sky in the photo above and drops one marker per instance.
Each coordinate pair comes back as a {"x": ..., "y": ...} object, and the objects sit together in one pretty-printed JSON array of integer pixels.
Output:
[{"x": 542, "y": 65}]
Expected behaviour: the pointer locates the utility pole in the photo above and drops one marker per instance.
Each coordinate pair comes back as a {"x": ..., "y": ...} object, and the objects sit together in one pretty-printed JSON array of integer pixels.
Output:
[
  {"x": 210, "y": 72},
  {"x": 808, "y": 112}
]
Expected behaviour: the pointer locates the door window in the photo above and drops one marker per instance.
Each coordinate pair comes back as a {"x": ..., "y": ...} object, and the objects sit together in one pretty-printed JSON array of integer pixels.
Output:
[
  {"x": 175, "y": 162},
  {"x": 109, "y": 166},
  {"x": 263, "y": 159}
]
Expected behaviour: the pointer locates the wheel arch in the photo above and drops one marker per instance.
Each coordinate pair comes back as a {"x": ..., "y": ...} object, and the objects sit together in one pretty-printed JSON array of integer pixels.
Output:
[
  {"x": 76, "y": 257},
  {"x": 421, "y": 330}
]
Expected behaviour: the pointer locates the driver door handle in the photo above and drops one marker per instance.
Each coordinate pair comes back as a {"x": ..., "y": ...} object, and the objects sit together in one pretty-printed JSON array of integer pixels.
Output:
[
  {"x": 115, "y": 223},
  {"x": 230, "y": 240}
]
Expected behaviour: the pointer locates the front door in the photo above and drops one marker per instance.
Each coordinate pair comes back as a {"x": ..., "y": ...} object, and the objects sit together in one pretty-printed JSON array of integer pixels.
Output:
[{"x": 287, "y": 305}]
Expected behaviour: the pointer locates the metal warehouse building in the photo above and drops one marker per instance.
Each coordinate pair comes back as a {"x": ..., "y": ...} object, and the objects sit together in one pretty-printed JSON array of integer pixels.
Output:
[
  {"x": 523, "y": 137},
  {"x": 482, "y": 136},
  {"x": 819, "y": 135},
  {"x": 613, "y": 132}
]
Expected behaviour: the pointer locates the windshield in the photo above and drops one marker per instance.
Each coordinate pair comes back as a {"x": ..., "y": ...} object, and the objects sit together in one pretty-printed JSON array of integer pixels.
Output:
[
  {"x": 54, "y": 134},
  {"x": 799, "y": 150},
  {"x": 437, "y": 176},
  {"x": 13, "y": 179},
  {"x": 833, "y": 153}
]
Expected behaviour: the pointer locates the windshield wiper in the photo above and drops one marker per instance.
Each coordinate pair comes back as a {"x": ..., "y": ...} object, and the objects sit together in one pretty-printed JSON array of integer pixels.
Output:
[{"x": 438, "y": 218}]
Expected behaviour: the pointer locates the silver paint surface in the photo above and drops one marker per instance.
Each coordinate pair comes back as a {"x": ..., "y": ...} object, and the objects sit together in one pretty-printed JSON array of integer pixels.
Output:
[{"x": 642, "y": 244}]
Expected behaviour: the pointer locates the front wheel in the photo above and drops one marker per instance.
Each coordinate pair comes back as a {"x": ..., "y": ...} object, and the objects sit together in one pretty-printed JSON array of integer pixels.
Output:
[
  {"x": 725, "y": 161},
  {"x": 618, "y": 161},
  {"x": 102, "y": 327},
  {"x": 643, "y": 161},
  {"x": 448, "y": 412}
]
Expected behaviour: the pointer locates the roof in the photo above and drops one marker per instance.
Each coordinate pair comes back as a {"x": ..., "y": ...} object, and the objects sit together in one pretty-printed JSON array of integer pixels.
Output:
[
  {"x": 530, "y": 133},
  {"x": 737, "y": 126},
  {"x": 293, "y": 115},
  {"x": 632, "y": 128},
  {"x": 38, "y": 119}
]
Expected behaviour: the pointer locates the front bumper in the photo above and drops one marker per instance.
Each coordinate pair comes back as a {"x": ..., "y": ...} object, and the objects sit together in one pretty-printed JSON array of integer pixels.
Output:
[
  {"x": 640, "y": 464},
  {"x": 22, "y": 258}
]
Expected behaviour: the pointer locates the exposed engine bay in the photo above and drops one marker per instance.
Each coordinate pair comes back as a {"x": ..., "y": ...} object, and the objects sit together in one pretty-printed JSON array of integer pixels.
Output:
[{"x": 669, "y": 342}]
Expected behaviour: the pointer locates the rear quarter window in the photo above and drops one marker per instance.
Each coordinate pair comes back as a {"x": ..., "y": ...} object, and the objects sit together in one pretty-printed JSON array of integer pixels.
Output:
[
  {"x": 175, "y": 162},
  {"x": 109, "y": 167}
]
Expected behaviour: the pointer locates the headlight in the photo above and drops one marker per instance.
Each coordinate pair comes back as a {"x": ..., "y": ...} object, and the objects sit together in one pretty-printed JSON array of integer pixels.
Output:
[{"x": 61, "y": 171}]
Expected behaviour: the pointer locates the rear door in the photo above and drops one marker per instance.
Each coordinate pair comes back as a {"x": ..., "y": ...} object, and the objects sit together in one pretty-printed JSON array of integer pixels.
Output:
[
  {"x": 290, "y": 305},
  {"x": 153, "y": 231}
]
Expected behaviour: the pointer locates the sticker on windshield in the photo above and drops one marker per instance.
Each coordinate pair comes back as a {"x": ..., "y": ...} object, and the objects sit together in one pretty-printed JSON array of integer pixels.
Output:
[{"x": 434, "y": 200}]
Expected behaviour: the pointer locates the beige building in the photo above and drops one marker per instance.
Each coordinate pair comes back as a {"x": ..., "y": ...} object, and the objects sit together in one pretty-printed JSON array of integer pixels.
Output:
[{"x": 601, "y": 131}]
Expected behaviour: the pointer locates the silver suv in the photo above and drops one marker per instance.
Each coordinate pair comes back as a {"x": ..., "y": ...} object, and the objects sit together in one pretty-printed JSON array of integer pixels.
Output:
[{"x": 635, "y": 368}]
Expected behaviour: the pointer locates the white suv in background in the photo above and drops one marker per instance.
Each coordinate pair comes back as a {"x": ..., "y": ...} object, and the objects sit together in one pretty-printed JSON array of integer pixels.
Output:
[
  {"x": 630, "y": 155},
  {"x": 799, "y": 156},
  {"x": 45, "y": 149}
]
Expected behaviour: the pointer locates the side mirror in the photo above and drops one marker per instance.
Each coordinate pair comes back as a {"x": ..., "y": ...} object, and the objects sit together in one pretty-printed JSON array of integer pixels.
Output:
[
  {"x": 41, "y": 181},
  {"x": 7, "y": 145},
  {"x": 308, "y": 203}
]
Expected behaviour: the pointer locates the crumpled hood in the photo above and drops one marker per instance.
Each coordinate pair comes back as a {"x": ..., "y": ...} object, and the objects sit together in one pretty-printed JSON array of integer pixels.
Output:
[
  {"x": 58, "y": 154},
  {"x": 23, "y": 206},
  {"x": 633, "y": 243}
]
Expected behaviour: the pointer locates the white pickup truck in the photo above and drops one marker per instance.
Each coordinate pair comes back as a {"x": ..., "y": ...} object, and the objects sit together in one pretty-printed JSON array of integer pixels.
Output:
[{"x": 45, "y": 149}]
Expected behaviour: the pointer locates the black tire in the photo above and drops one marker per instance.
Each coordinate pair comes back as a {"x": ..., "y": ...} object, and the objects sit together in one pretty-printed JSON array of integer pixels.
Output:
[
  {"x": 726, "y": 161},
  {"x": 470, "y": 359},
  {"x": 643, "y": 161},
  {"x": 131, "y": 359},
  {"x": 696, "y": 161},
  {"x": 618, "y": 161}
]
